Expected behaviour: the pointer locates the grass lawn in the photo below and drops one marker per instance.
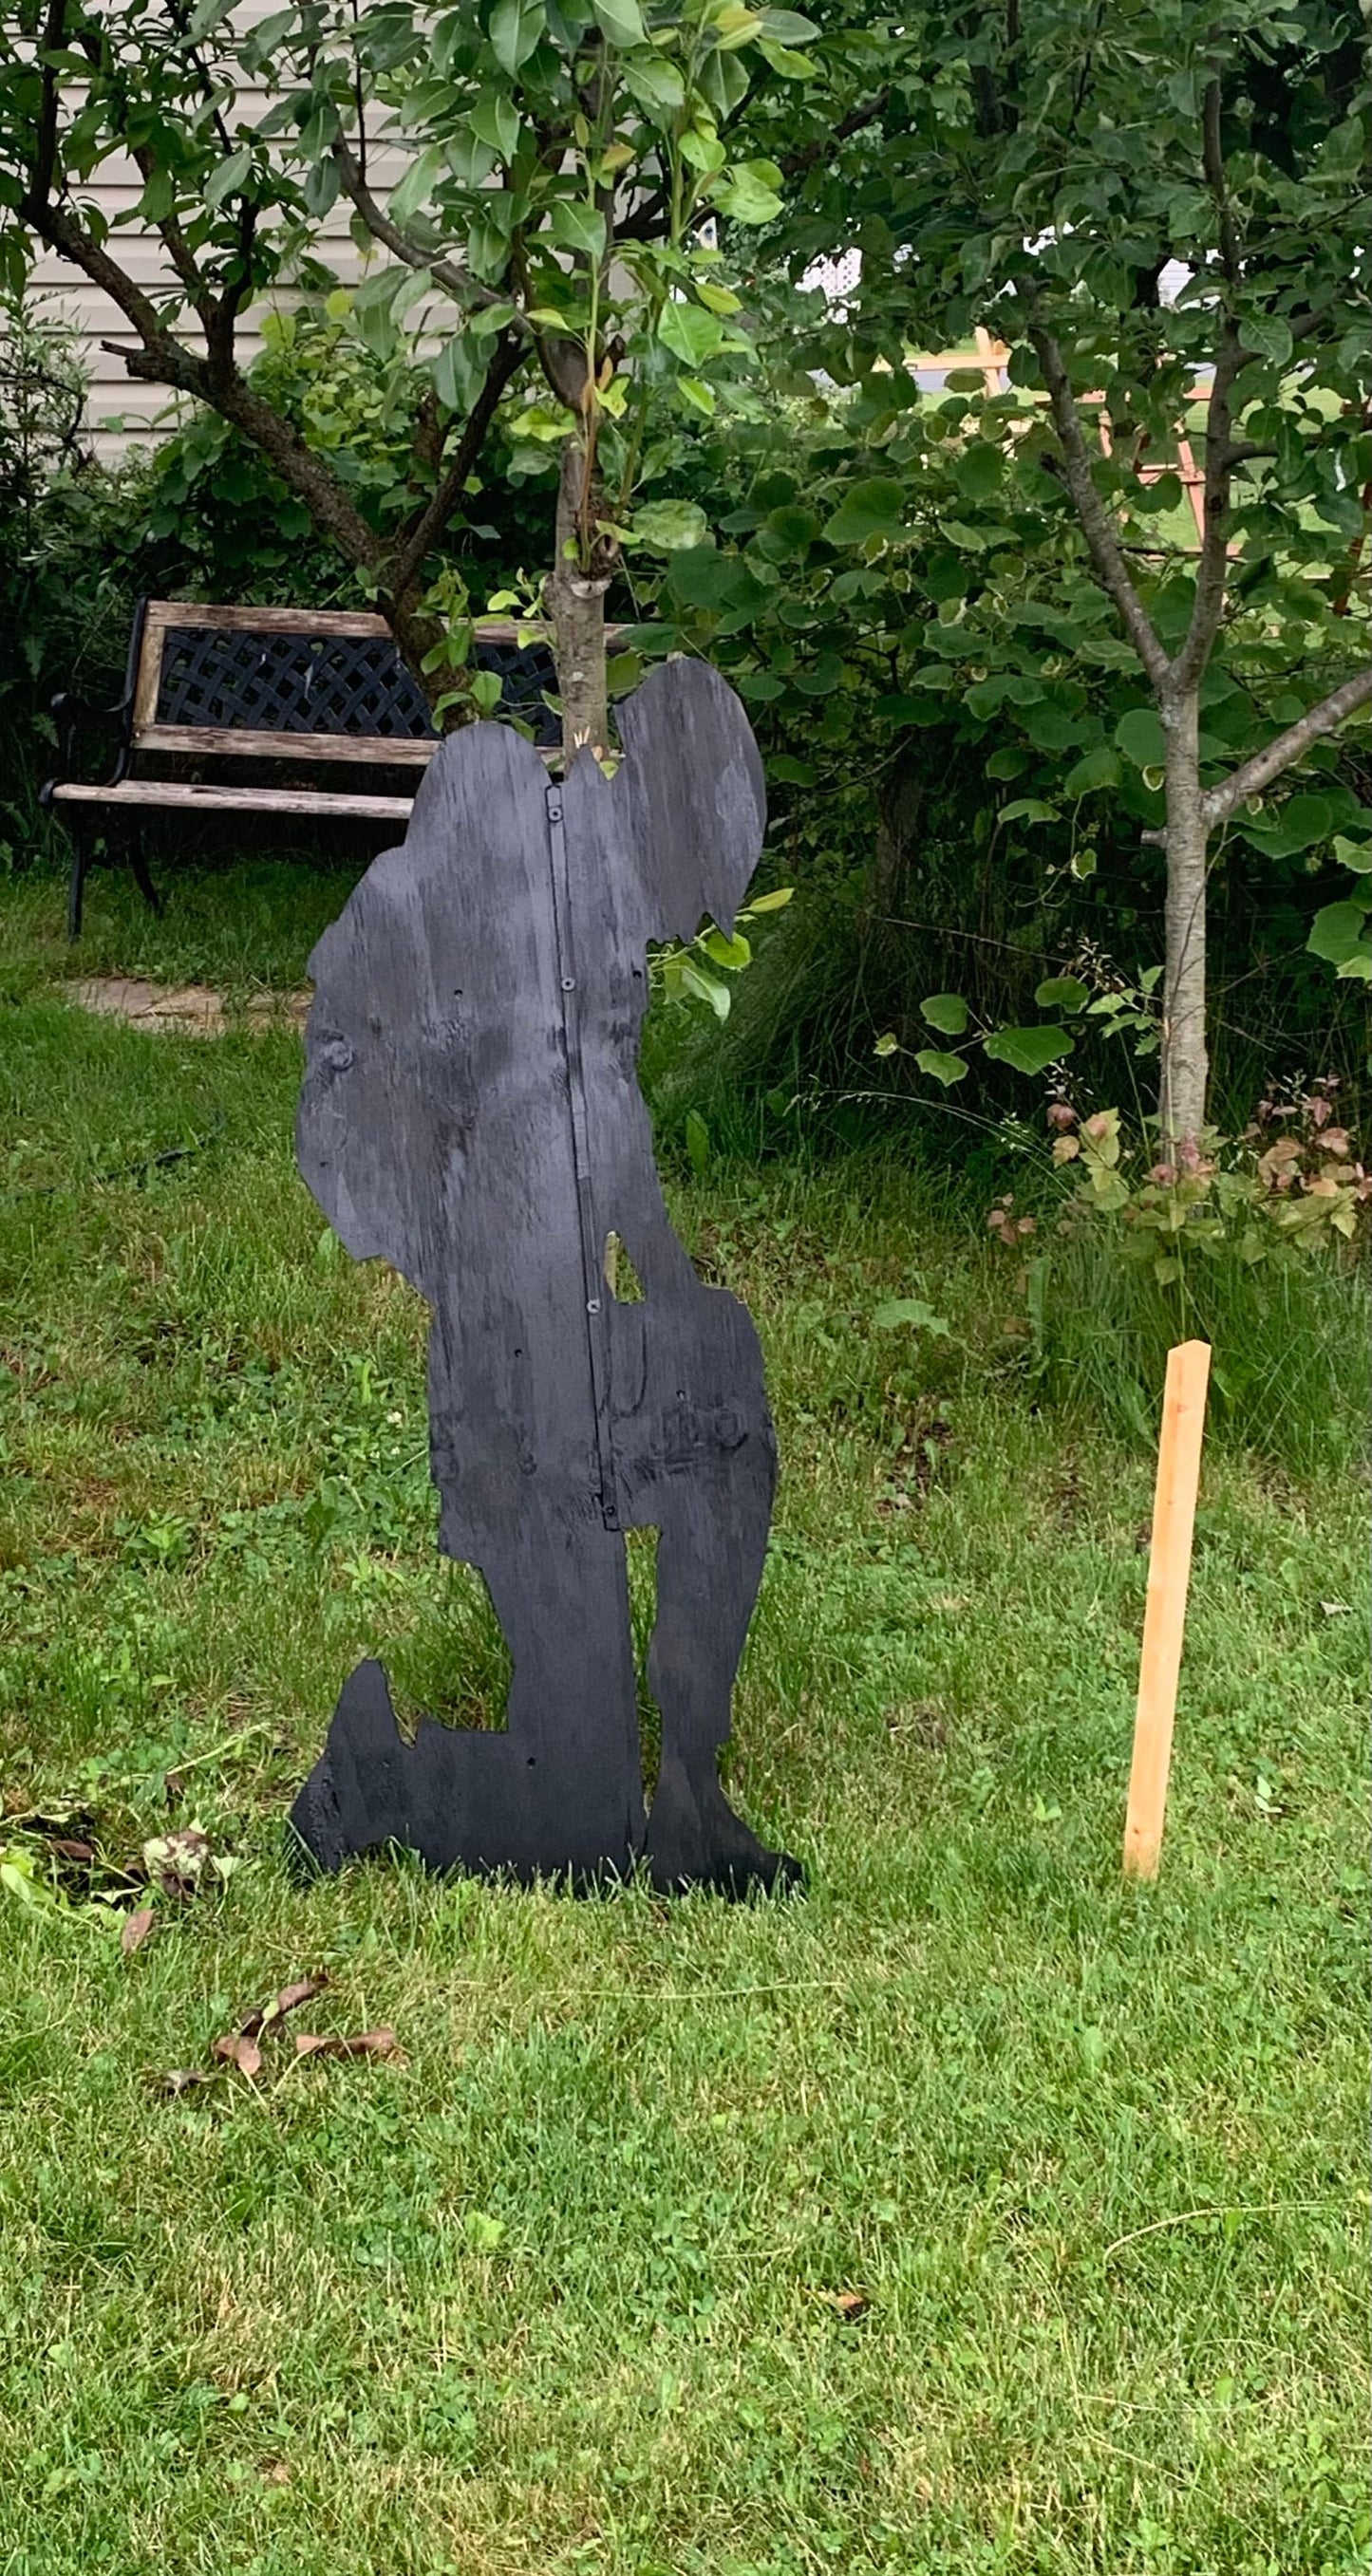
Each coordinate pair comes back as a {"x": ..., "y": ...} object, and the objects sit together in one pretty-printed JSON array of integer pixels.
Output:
[{"x": 564, "y": 2287}]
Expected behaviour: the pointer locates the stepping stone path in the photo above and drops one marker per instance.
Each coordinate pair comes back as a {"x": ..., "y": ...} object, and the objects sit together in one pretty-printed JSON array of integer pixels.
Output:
[{"x": 188, "y": 1009}]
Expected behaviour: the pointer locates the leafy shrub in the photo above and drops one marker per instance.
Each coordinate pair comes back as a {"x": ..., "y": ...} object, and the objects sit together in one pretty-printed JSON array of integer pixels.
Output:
[{"x": 1256, "y": 1243}]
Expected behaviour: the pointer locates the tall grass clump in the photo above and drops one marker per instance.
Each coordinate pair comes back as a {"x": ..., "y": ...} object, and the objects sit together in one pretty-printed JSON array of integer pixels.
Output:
[{"x": 1291, "y": 1371}]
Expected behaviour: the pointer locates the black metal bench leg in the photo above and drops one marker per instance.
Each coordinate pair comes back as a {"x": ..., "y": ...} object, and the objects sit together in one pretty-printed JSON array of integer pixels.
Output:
[
  {"x": 81, "y": 852},
  {"x": 141, "y": 878}
]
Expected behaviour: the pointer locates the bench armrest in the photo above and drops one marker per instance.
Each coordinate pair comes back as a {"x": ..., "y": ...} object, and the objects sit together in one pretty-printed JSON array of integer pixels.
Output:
[{"x": 74, "y": 717}]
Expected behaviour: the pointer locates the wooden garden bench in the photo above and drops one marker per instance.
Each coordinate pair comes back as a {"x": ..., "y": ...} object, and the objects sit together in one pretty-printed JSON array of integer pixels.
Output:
[{"x": 209, "y": 686}]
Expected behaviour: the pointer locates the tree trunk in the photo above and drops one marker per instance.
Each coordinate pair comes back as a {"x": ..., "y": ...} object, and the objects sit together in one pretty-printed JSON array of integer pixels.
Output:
[
  {"x": 576, "y": 604},
  {"x": 1185, "y": 1066}
]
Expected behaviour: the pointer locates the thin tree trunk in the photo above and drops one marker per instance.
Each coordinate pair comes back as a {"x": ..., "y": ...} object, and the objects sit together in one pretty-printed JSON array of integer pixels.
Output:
[
  {"x": 1185, "y": 1065},
  {"x": 577, "y": 606}
]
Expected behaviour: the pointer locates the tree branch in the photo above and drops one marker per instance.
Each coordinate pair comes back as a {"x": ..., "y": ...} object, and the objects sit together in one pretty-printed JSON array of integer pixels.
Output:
[
  {"x": 62, "y": 233},
  {"x": 1103, "y": 543},
  {"x": 177, "y": 247},
  {"x": 45, "y": 149},
  {"x": 1255, "y": 774},
  {"x": 223, "y": 315},
  {"x": 406, "y": 563},
  {"x": 445, "y": 272},
  {"x": 1212, "y": 571}
]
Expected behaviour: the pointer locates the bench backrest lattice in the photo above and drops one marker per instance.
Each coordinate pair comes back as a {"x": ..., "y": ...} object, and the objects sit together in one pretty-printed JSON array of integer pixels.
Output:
[{"x": 317, "y": 684}]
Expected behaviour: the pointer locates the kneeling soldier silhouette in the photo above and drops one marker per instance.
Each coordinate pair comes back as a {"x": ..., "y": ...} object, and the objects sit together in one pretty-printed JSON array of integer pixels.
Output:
[{"x": 471, "y": 1114}]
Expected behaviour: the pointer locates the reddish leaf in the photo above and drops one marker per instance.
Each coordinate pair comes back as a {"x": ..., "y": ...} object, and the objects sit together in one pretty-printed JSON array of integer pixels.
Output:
[
  {"x": 240, "y": 2049},
  {"x": 72, "y": 1850},
  {"x": 850, "y": 2304},
  {"x": 136, "y": 1929},
  {"x": 363, "y": 2043},
  {"x": 303, "y": 1991}
]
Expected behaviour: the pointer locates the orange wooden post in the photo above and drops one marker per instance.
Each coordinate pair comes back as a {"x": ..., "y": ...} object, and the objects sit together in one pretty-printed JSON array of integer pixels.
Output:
[{"x": 1169, "y": 1575}]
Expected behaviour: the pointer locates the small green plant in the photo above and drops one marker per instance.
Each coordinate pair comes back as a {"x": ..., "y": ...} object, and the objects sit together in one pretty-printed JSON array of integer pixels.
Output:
[{"x": 1292, "y": 1182}]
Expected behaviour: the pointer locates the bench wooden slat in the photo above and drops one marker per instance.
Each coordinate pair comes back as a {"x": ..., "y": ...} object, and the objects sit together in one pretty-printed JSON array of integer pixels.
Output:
[
  {"x": 308, "y": 621},
  {"x": 233, "y": 741},
  {"x": 256, "y": 800}
]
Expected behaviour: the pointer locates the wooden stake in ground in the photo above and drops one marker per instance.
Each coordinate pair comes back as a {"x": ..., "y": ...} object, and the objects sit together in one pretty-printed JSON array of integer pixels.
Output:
[{"x": 1169, "y": 1575}]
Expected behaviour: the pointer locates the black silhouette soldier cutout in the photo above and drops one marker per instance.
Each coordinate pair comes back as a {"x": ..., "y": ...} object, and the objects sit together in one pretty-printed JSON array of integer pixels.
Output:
[{"x": 471, "y": 1113}]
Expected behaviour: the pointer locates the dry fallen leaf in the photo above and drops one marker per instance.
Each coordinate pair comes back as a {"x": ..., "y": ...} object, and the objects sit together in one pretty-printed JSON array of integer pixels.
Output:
[
  {"x": 362, "y": 2043},
  {"x": 181, "y": 2079},
  {"x": 238, "y": 2048},
  {"x": 303, "y": 1991},
  {"x": 849, "y": 2304},
  {"x": 136, "y": 1929}
]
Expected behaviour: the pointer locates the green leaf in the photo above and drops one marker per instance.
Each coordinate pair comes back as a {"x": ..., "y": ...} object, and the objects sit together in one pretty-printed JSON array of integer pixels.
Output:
[
  {"x": 793, "y": 527},
  {"x": 1359, "y": 964},
  {"x": 776, "y": 901},
  {"x": 1353, "y": 854},
  {"x": 158, "y": 198},
  {"x": 1098, "y": 768},
  {"x": 703, "y": 149},
  {"x": 697, "y": 1140},
  {"x": 699, "y": 395},
  {"x": 495, "y": 120},
  {"x": 745, "y": 196},
  {"x": 887, "y": 1044},
  {"x": 1062, "y": 993},
  {"x": 706, "y": 988},
  {"x": 946, "y": 1069},
  {"x": 1139, "y": 736},
  {"x": 486, "y": 691},
  {"x": 946, "y": 1012},
  {"x": 457, "y": 375},
  {"x": 514, "y": 29},
  {"x": 874, "y": 508},
  {"x": 669, "y": 525},
  {"x": 226, "y": 178},
  {"x": 1028, "y": 809},
  {"x": 206, "y": 17},
  {"x": 414, "y": 190},
  {"x": 1337, "y": 932},
  {"x": 1028, "y": 1050},
  {"x": 913, "y": 1310},
  {"x": 578, "y": 227},
  {"x": 1268, "y": 336},
  {"x": 1007, "y": 764},
  {"x": 657, "y": 85},
  {"x": 620, "y": 22},
  {"x": 1304, "y": 821},
  {"x": 734, "y": 953},
  {"x": 787, "y": 64},
  {"x": 689, "y": 332}
]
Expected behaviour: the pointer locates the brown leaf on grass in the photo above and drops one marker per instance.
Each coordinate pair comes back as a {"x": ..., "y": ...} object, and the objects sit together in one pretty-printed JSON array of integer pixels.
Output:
[
  {"x": 177, "y": 1861},
  {"x": 67, "y": 1849},
  {"x": 238, "y": 2048},
  {"x": 848, "y": 2304},
  {"x": 362, "y": 2043},
  {"x": 182, "y": 2078},
  {"x": 303, "y": 1991},
  {"x": 136, "y": 1929}
]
